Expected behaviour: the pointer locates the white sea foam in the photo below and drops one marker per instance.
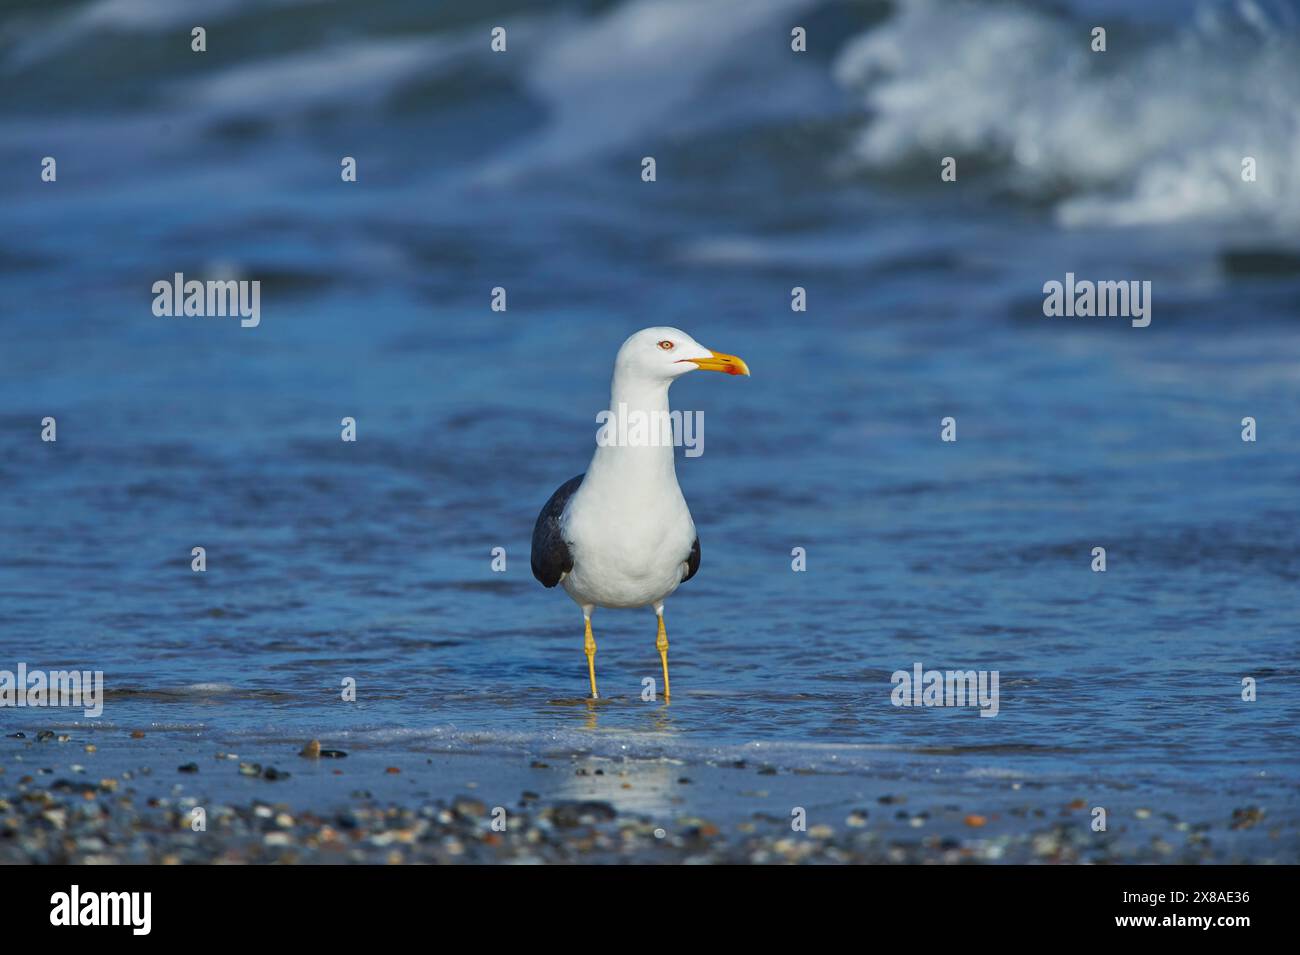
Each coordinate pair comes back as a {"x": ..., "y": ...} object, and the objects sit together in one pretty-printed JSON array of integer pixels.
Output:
[{"x": 1142, "y": 134}]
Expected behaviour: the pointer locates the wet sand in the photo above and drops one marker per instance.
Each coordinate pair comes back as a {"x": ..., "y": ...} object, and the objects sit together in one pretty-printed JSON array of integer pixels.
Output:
[{"x": 110, "y": 797}]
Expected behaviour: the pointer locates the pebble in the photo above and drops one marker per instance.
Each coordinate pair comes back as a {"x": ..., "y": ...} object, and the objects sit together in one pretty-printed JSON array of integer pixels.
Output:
[
  {"x": 570, "y": 814},
  {"x": 47, "y": 819},
  {"x": 469, "y": 807},
  {"x": 1247, "y": 817}
]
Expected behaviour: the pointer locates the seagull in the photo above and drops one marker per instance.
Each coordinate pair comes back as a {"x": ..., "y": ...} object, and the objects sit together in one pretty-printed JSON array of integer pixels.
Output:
[{"x": 621, "y": 535}]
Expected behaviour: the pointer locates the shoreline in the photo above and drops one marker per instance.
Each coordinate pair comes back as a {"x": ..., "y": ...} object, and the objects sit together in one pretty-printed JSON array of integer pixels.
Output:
[{"x": 131, "y": 799}]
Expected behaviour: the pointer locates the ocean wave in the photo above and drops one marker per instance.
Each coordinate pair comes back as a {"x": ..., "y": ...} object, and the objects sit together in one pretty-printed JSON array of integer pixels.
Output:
[
  {"x": 650, "y": 70},
  {"x": 1151, "y": 132},
  {"x": 345, "y": 75},
  {"x": 43, "y": 37}
]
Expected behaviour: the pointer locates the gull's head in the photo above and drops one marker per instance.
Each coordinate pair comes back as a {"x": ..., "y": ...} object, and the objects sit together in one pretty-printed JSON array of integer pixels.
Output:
[{"x": 662, "y": 354}]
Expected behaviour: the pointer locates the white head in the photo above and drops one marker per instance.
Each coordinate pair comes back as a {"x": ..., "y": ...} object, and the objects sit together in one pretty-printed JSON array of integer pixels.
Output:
[{"x": 662, "y": 354}]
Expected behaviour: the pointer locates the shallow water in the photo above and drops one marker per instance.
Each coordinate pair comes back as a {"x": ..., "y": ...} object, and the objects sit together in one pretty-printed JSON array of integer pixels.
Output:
[{"x": 372, "y": 560}]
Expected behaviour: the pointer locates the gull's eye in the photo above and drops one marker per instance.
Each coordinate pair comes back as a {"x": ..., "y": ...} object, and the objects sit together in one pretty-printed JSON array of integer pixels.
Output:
[{"x": 666, "y": 345}]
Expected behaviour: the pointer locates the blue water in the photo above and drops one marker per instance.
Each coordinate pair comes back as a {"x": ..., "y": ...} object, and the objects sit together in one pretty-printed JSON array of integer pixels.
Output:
[{"x": 372, "y": 561}]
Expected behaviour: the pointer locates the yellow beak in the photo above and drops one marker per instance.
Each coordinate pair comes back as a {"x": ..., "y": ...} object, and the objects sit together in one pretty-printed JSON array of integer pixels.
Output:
[{"x": 720, "y": 362}]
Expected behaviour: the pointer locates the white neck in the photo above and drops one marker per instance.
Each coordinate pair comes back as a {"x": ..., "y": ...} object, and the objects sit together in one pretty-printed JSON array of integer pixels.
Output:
[{"x": 633, "y": 469}]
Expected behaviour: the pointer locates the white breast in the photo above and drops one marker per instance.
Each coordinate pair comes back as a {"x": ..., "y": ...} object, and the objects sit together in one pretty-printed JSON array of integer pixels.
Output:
[{"x": 629, "y": 541}]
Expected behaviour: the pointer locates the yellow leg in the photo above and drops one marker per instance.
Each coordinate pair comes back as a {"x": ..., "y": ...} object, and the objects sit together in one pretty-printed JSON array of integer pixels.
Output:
[
  {"x": 589, "y": 648},
  {"x": 661, "y": 645}
]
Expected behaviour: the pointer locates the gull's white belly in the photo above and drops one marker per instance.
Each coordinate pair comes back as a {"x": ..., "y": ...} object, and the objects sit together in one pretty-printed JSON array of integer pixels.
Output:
[{"x": 631, "y": 559}]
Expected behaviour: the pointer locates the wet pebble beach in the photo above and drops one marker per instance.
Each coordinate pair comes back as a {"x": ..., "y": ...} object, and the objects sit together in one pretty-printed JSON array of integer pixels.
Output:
[{"x": 55, "y": 807}]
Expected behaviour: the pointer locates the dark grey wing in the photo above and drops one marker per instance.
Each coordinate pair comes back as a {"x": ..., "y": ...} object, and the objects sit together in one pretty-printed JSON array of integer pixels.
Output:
[
  {"x": 692, "y": 562},
  {"x": 551, "y": 557}
]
